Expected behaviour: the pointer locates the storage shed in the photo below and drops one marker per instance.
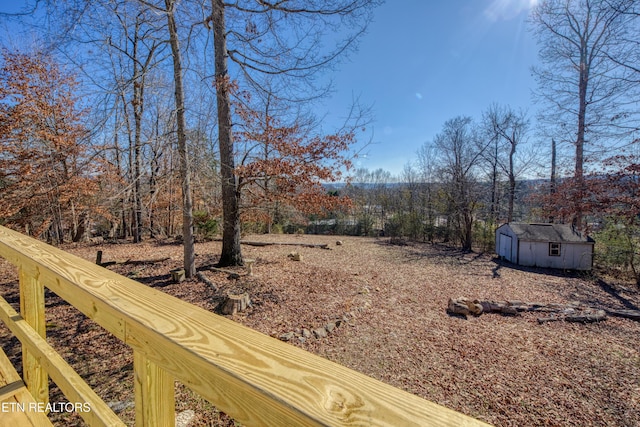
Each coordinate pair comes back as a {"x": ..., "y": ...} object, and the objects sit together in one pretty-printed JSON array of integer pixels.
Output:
[{"x": 544, "y": 245}]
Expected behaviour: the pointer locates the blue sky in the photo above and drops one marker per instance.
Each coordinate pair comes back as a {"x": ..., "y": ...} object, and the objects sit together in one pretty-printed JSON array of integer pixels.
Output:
[{"x": 424, "y": 62}]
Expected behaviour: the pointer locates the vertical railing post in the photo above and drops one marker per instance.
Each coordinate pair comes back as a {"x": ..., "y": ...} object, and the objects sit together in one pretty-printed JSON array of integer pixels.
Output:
[
  {"x": 32, "y": 311},
  {"x": 154, "y": 393}
]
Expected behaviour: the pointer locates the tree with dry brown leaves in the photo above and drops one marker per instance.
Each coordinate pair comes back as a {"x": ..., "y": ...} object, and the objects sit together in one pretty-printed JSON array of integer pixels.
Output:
[
  {"x": 279, "y": 39},
  {"x": 46, "y": 185},
  {"x": 284, "y": 165}
]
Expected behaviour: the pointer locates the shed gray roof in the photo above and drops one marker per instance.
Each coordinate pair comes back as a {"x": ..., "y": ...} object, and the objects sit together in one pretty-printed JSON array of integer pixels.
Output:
[{"x": 548, "y": 233}]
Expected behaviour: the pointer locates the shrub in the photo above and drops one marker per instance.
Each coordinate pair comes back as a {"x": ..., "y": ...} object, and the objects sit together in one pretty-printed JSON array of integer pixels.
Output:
[
  {"x": 484, "y": 236},
  {"x": 205, "y": 225},
  {"x": 617, "y": 244}
]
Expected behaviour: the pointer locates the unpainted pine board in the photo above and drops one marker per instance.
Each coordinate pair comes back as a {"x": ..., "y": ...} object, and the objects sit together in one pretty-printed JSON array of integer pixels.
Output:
[
  {"x": 75, "y": 389},
  {"x": 16, "y": 393}
]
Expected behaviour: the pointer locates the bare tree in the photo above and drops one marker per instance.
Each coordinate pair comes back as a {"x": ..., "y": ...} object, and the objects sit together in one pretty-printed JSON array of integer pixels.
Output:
[
  {"x": 553, "y": 176},
  {"x": 628, "y": 52},
  {"x": 458, "y": 157},
  {"x": 427, "y": 169},
  {"x": 507, "y": 131},
  {"x": 577, "y": 80},
  {"x": 189, "y": 260},
  {"x": 231, "y": 252}
]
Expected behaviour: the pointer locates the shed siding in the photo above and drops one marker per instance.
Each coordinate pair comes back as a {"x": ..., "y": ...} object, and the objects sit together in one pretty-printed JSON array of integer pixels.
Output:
[
  {"x": 573, "y": 256},
  {"x": 504, "y": 237},
  {"x": 582, "y": 256},
  {"x": 532, "y": 253}
]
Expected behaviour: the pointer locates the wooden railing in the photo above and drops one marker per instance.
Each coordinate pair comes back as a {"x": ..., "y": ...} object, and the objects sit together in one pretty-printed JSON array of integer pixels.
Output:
[{"x": 256, "y": 379}]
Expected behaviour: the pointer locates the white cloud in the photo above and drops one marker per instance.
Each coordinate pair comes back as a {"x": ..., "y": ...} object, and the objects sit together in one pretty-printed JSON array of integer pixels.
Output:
[{"x": 503, "y": 10}]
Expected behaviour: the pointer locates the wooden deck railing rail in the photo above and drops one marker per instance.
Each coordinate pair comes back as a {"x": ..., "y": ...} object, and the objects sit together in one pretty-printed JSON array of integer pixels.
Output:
[{"x": 256, "y": 379}]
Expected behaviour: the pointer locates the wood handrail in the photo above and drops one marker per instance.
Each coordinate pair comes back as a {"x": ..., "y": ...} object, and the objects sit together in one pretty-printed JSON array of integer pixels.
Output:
[
  {"x": 256, "y": 379},
  {"x": 70, "y": 383}
]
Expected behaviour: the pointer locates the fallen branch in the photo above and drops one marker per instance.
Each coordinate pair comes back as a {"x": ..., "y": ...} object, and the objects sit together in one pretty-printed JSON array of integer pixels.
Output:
[
  {"x": 567, "y": 312},
  {"x": 588, "y": 316},
  {"x": 304, "y": 245},
  {"x": 128, "y": 261},
  {"x": 543, "y": 320},
  {"x": 208, "y": 282},
  {"x": 627, "y": 314},
  {"x": 231, "y": 274}
]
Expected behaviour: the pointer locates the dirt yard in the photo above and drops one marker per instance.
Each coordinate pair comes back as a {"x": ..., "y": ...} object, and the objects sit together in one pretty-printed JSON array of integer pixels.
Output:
[{"x": 505, "y": 370}]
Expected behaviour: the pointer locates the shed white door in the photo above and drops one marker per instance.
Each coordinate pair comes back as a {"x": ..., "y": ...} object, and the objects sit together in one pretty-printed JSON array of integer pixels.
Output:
[{"x": 504, "y": 249}]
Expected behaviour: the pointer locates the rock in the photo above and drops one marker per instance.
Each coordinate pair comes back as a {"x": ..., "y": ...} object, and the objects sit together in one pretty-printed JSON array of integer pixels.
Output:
[
  {"x": 306, "y": 333},
  {"x": 249, "y": 263},
  {"x": 330, "y": 326},
  {"x": 320, "y": 333},
  {"x": 295, "y": 256},
  {"x": 119, "y": 406},
  {"x": 339, "y": 243},
  {"x": 302, "y": 340},
  {"x": 177, "y": 275},
  {"x": 287, "y": 336},
  {"x": 184, "y": 418}
]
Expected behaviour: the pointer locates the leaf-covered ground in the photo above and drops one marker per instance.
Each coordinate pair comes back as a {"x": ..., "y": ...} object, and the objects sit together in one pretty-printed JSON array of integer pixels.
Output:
[{"x": 508, "y": 371}]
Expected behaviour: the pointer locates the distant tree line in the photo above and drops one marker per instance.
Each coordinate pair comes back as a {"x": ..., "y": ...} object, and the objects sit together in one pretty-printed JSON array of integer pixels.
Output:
[{"x": 459, "y": 187}]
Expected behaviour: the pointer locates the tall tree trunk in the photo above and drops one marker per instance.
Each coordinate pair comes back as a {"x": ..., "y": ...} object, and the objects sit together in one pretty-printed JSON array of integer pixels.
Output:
[
  {"x": 153, "y": 183},
  {"x": 138, "y": 109},
  {"x": 494, "y": 194},
  {"x": 185, "y": 170},
  {"x": 122, "y": 233},
  {"x": 153, "y": 180},
  {"x": 170, "y": 227},
  {"x": 512, "y": 177},
  {"x": 467, "y": 230},
  {"x": 139, "y": 81},
  {"x": 552, "y": 183},
  {"x": 231, "y": 253},
  {"x": 582, "y": 113}
]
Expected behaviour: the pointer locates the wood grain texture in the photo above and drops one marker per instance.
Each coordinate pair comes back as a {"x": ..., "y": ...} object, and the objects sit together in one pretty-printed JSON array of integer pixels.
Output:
[
  {"x": 154, "y": 393},
  {"x": 19, "y": 394},
  {"x": 32, "y": 311},
  {"x": 72, "y": 385},
  {"x": 258, "y": 380}
]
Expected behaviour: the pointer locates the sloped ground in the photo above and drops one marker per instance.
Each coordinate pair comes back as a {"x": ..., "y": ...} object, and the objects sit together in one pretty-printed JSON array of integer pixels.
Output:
[{"x": 508, "y": 371}]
